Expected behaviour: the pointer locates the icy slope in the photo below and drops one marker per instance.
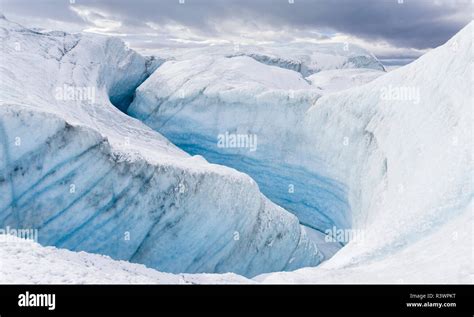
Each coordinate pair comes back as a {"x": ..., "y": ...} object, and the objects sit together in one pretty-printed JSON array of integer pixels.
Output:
[
  {"x": 339, "y": 79},
  {"x": 439, "y": 258},
  {"x": 260, "y": 92},
  {"x": 195, "y": 102},
  {"x": 91, "y": 178},
  {"x": 410, "y": 172},
  {"x": 26, "y": 262},
  {"x": 304, "y": 58},
  {"x": 391, "y": 158}
]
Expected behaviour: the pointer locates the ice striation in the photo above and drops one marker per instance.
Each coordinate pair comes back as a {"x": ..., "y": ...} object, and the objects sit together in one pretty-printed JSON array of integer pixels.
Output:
[
  {"x": 392, "y": 154},
  {"x": 408, "y": 166},
  {"x": 198, "y": 101},
  {"x": 388, "y": 156},
  {"x": 90, "y": 178}
]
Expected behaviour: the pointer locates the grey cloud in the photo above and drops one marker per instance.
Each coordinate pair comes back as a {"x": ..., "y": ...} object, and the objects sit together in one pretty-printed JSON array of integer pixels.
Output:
[{"x": 417, "y": 24}]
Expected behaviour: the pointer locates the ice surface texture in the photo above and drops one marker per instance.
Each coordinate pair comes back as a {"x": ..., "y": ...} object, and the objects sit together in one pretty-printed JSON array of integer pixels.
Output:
[
  {"x": 91, "y": 178},
  {"x": 391, "y": 158},
  {"x": 195, "y": 101},
  {"x": 408, "y": 166},
  {"x": 405, "y": 163}
]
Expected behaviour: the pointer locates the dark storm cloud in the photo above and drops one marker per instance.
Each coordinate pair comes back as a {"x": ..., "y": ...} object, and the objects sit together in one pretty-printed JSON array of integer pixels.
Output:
[{"x": 418, "y": 24}]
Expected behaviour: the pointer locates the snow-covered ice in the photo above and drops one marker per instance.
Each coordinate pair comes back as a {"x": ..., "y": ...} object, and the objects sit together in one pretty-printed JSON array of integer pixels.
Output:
[
  {"x": 27, "y": 262},
  {"x": 339, "y": 79},
  {"x": 341, "y": 145},
  {"x": 198, "y": 98},
  {"x": 443, "y": 257},
  {"x": 304, "y": 57},
  {"x": 91, "y": 178},
  {"x": 410, "y": 175},
  {"x": 392, "y": 155}
]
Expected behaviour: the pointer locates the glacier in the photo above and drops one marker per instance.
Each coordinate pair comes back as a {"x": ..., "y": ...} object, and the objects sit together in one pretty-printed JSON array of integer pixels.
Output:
[
  {"x": 195, "y": 100},
  {"x": 393, "y": 165},
  {"x": 90, "y": 178},
  {"x": 305, "y": 58},
  {"x": 391, "y": 151},
  {"x": 410, "y": 172}
]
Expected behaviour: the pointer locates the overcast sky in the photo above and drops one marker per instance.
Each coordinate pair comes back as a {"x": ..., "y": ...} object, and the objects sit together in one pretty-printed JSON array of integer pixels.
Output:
[{"x": 390, "y": 29}]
